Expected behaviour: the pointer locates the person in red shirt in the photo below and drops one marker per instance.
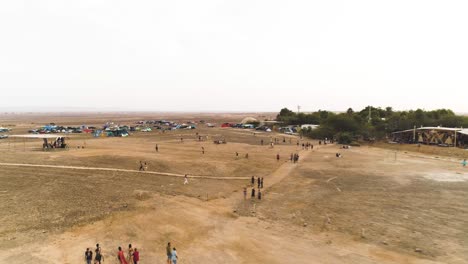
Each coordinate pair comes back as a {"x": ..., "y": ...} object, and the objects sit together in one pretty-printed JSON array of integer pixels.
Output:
[
  {"x": 121, "y": 256},
  {"x": 136, "y": 256}
]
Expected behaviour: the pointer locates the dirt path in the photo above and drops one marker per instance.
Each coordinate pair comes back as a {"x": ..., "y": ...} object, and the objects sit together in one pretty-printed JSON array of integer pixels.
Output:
[{"x": 122, "y": 170}]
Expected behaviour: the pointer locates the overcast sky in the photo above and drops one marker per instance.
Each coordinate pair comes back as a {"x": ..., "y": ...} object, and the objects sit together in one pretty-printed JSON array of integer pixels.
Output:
[{"x": 241, "y": 55}]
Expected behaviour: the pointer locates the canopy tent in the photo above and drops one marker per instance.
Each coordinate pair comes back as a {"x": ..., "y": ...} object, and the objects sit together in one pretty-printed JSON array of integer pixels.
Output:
[
  {"x": 50, "y": 141},
  {"x": 39, "y": 136},
  {"x": 443, "y": 136}
]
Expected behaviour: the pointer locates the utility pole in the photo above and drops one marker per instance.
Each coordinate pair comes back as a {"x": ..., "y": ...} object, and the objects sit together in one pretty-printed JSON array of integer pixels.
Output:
[
  {"x": 370, "y": 114},
  {"x": 455, "y": 145}
]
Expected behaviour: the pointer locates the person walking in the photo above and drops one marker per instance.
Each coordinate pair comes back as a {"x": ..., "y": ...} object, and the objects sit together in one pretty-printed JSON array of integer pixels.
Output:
[
  {"x": 121, "y": 256},
  {"x": 258, "y": 182},
  {"x": 98, "y": 256},
  {"x": 464, "y": 163},
  {"x": 169, "y": 253},
  {"x": 174, "y": 256},
  {"x": 130, "y": 254},
  {"x": 88, "y": 256},
  {"x": 136, "y": 256},
  {"x": 141, "y": 166},
  {"x": 203, "y": 150},
  {"x": 277, "y": 157},
  {"x": 185, "y": 179},
  {"x": 156, "y": 148}
]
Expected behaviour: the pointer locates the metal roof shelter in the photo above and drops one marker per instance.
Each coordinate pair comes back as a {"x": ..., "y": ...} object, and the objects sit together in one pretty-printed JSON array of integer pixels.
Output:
[
  {"x": 442, "y": 136},
  {"x": 463, "y": 131},
  {"x": 39, "y": 136},
  {"x": 50, "y": 141}
]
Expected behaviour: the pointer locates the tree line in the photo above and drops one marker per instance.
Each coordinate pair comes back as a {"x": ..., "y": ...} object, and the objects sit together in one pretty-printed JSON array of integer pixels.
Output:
[{"x": 370, "y": 123}]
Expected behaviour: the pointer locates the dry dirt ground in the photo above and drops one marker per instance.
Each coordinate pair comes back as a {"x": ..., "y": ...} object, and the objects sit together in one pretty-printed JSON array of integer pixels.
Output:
[{"x": 371, "y": 206}]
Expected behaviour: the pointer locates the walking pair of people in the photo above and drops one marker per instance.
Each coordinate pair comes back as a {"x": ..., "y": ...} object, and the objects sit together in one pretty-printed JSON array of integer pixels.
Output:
[
  {"x": 171, "y": 253},
  {"x": 98, "y": 257}
]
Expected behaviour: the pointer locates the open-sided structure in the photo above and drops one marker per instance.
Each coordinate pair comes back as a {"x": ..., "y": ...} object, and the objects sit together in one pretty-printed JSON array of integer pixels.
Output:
[
  {"x": 54, "y": 141},
  {"x": 442, "y": 136}
]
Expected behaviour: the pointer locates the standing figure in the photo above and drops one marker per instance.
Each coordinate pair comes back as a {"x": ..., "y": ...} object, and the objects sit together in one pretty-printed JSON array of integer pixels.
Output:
[
  {"x": 156, "y": 148},
  {"x": 121, "y": 256},
  {"x": 277, "y": 157},
  {"x": 253, "y": 193},
  {"x": 88, "y": 256},
  {"x": 136, "y": 256},
  {"x": 174, "y": 256},
  {"x": 169, "y": 253},
  {"x": 259, "y": 195},
  {"x": 261, "y": 183},
  {"x": 98, "y": 257},
  {"x": 252, "y": 181},
  {"x": 130, "y": 254}
]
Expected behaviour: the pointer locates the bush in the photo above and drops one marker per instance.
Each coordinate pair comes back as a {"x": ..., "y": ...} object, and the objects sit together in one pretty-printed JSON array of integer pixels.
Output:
[{"x": 344, "y": 138}]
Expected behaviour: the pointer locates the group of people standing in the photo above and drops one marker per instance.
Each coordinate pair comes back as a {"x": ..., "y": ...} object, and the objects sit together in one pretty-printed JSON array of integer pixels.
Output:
[
  {"x": 253, "y": 192},
  {"x": 294, "y": 157},
  {"x": 98, "y": 257},
  {"x": 307, "y": 145},
  {"x": 133, "y": 256},
  {"x": 143, "y": 166}
]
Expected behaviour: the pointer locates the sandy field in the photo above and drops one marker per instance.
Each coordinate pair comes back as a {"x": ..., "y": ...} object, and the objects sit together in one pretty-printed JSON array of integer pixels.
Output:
[{"x": 376, "y": 204}]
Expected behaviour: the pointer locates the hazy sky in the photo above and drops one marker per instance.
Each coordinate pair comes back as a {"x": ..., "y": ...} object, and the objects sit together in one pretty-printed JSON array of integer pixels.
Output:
[{"x": 241, "y": 55}]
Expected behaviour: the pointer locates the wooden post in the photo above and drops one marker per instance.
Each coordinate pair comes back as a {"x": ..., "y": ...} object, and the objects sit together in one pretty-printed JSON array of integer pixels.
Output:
[{"x": 455, "y": 144}]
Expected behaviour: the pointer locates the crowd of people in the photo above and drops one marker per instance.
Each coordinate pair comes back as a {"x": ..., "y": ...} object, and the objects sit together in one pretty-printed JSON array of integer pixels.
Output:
[{"x": 132, "y": 256}]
